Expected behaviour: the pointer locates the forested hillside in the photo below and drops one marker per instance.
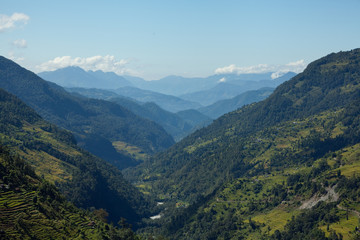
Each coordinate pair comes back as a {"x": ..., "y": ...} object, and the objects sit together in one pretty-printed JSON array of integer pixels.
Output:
[
  {"x": 176, "y": 126},
  {"x": 96, "y": 124},
  {"x": 87, "y": 181},
  {"x": 32, "y": 208},
  {"x": 253, "y": 172}
]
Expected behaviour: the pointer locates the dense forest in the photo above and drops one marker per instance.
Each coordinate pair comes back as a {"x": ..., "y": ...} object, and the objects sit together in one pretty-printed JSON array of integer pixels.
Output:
[{"x": 87, "y": 181}]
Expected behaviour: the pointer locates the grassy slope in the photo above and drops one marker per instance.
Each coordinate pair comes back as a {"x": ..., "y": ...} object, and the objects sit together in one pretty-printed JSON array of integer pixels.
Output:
[{"x": 255, "y": 197}]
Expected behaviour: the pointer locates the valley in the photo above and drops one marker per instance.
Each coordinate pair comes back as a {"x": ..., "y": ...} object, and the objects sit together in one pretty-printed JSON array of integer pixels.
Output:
[{"x": 181, "y": 158}]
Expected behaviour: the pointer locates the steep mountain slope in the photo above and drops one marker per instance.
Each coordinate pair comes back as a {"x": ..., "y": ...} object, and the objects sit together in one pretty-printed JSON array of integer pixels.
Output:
[
  {"x": 95, "y": 123},
  {"x": 167, "y": 102},
  {"x": 86, "y": 181},
  {"x": 224, "y": 106},
  {"x": 302, "y": 183},
  {"x": 171, "y": 122},
  {"x": 177, "y": 126},
  {"x": 314, "y": 114},
  {"x": 77, "y": 77},
  {"x": 327, "y": 83},
  {"x": 195, "y": 118},
  {"x": 32, "y": 208}
]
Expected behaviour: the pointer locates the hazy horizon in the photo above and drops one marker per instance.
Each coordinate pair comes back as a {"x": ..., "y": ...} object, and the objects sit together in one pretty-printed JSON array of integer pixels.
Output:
[{"x": 154, "y": 39}]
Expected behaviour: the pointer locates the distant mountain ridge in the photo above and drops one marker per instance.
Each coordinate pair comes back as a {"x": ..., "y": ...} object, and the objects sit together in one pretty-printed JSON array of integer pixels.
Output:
[
  {"x": 170, "y": 85},
  {"x": 176, "y": 125},
  {"x": 228, "y": 105},
  {"x": 167, "y": 102},
  {"x": 178, "y": 86},
  {"x": 234, "y": 85},
  {"x": 172, "y": 93},
  {"x": 77, "y": 77},
  {"x": 95, "y": 123}
]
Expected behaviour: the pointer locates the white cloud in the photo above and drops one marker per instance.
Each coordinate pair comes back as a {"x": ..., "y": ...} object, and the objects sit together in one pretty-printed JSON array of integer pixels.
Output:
[
  {"x": 106, "y": 63},
  {"x": 222, "y": 80},
  {"x": 20, "y": 43},
  {"x": 7, "y": 22},
  {"x": 277, "y": 74},
  {"x": 278, "y": 70},
  {"x": 14, "y": 57}
]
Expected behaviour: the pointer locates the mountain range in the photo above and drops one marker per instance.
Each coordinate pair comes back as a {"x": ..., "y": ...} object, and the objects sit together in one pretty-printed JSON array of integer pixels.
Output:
[
  {"x": 233, "y": 85},
  {"x": 176, "y": 124},
  {"x": 283, "y": 167},
  {"x": 178, "y": 86},
  {"x": 213, "y": 90},
  {"x": 172, "y": 93},
  {"x": 96, "y": 124},
  {"x": 266, "y": 169},
  {"x": 167, "y": 102},
  {"x": 77, "y": 77}
]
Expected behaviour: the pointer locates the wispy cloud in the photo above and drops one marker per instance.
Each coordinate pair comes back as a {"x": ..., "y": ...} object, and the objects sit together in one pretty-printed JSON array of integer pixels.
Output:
[
  {"x": 13, "y": 56},
  {"x": 20, "y": 43},
  {"x": 106, "y": 63},
  {"x": 278, "y": 70},
  {"x": 8, "y": 22}
]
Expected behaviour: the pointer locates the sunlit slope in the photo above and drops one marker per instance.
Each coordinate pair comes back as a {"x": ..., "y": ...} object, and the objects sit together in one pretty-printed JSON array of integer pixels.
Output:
[
  {"x": 203, "y": 161},
  {"x": 303, "y": 171},
  {"x": 254, "y": 172}
]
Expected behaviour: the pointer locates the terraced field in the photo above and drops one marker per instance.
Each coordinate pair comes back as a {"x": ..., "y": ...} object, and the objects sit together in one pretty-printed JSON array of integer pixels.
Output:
[{"x": 22, "y": 216}]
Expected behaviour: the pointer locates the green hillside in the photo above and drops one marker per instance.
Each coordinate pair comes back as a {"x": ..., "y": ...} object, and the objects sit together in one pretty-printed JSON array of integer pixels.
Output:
[
  {"x": 294, "y": 165},
  {"x": 254, "y": 172},
  {"x": 32, "y": 208},
  {"x": 86, "y": 180},
  {"x": 95, "y": 123}
]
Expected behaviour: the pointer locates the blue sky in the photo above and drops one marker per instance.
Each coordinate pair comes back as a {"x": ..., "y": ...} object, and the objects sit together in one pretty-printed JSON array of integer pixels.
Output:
[{"x": 153, "y": 39}]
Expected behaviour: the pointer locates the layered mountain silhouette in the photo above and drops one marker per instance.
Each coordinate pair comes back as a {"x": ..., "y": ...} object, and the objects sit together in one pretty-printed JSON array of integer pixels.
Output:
[{"x": 95, "y": 123}]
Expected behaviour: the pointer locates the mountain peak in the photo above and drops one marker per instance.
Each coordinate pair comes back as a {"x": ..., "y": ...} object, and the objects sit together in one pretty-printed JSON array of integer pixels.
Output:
[{"x": 74, "y": 76}]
